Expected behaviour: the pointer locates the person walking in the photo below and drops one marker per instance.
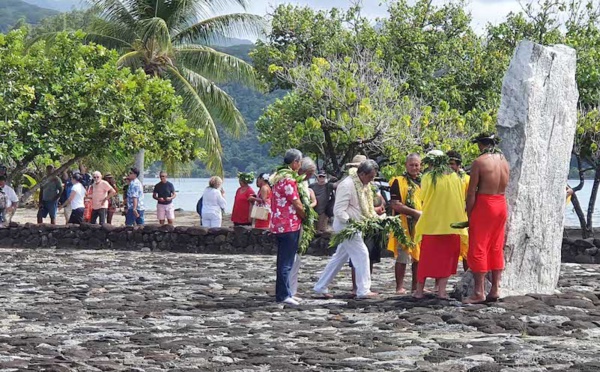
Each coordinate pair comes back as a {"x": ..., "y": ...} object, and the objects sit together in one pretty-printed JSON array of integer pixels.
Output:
[
  {"x": 323, "y": 193},
  {"x": 164, "y": 193},
  {"x": 354, "y": 201},
  {"x": 213, "y": 203},
  {"x": 135, "y": 199}
]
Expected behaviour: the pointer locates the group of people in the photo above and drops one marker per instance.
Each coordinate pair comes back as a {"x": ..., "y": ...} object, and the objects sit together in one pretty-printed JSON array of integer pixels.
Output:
[
  {"x": 446, "y": 214},
  {"x": 92, "y": 198}
]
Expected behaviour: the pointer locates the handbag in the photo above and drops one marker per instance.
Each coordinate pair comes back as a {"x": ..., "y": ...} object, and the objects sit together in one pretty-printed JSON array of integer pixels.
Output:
[{"x": 260, "y": 212}]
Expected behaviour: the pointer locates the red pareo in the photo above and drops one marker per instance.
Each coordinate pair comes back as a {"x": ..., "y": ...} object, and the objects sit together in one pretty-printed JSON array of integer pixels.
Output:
[
  {"x": 439, "y": 256},
  {"x": 486, "y": 233}
]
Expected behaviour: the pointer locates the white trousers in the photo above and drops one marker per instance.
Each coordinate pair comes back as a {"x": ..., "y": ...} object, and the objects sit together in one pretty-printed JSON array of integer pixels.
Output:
[
  {"x": 211, "y": 220},
  {"x": 294, "y": 275},
  {"x": 357, "y": 251}
]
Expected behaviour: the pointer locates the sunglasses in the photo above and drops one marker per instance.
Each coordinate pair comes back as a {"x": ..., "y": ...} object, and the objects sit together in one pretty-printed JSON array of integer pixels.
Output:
[{"x": 321, "y": 176}]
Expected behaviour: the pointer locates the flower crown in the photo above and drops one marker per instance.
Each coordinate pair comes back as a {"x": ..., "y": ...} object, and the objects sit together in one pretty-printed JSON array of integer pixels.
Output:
[
  {"x": 436, "y": 159},
  {"x": 247, "y": 178}
]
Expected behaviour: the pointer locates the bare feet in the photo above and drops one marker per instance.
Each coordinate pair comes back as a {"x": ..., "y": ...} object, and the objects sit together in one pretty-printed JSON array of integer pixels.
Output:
[
  {"x": 474, "y": 300},
  {"x": 400, "y": 291},
  {"x": 443, "y": 296},
  {"x": 368, "y": 295},
  {"x": 418, "y": 295}
]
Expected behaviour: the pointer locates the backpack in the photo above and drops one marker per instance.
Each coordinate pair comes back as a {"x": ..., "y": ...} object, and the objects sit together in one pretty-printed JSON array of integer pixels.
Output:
[
  {"x": 199, "y": 207},
  {"x": 3, "y": 199}
]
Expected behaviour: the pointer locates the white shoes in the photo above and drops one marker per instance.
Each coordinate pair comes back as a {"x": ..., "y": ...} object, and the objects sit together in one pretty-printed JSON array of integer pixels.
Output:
[{"x": 291, "y": 301}]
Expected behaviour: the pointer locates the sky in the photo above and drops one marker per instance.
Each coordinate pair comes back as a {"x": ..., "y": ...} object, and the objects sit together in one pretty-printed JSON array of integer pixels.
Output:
[{"x": 483, "y": 11}]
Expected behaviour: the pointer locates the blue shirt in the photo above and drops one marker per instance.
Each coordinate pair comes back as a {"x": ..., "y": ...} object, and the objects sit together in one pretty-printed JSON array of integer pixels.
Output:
[
  {"x": 66, "y": 192},
  {"x": 135, "y": 190}
]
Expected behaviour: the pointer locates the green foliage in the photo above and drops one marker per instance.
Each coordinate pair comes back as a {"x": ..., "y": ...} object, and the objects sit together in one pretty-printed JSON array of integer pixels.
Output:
[
  {"x": 11, "y": 11},
  {"x": 372, "y": 228},
  {"x": 69, "y": 100},
  {"x": 168, "y": 40}
]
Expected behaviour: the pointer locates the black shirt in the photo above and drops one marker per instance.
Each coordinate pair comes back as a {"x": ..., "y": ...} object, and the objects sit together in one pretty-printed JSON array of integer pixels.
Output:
[{"x": 164, "y": 190}]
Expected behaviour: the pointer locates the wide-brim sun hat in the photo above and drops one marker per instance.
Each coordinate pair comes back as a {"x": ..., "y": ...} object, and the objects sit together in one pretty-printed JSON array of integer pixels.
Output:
[{"x": 356, "y": 160}]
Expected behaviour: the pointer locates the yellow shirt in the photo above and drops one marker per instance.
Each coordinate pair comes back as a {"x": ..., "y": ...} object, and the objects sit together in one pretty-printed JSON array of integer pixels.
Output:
[
  {"x": 418, "y": 205},
  {"x": 443, "y": 204},
  {"x": 464, "y": 244}
]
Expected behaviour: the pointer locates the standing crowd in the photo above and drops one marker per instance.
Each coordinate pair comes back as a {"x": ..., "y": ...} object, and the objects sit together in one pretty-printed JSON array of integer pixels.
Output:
[
  {"x": 81, "y": 197},
  {"x": 447, "y": 215}
]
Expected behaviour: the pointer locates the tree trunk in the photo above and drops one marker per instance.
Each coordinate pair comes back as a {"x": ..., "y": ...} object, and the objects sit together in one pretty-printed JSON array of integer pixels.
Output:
[
  {"x": 585, "y": 233},
  {"x": 139, "y": 164},
  {"x": 592, "y": 203}
]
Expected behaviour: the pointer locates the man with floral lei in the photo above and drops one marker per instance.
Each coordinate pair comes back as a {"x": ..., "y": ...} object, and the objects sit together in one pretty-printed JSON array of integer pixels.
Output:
[
  {"x": 443, "y": 196},
  {"x": 354, "y": 202},
  {"x": 287, "y": 213},
  {"x": 487, "y": 211},
  {"x": 405, "y": 195}
]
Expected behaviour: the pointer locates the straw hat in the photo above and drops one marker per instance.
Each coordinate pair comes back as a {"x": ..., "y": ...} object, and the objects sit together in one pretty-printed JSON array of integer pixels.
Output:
[{"x": 356, "y": 160}]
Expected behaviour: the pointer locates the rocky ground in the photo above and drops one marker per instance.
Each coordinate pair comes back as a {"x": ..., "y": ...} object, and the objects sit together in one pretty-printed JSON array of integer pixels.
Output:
[{"x": 137, "y": 311}]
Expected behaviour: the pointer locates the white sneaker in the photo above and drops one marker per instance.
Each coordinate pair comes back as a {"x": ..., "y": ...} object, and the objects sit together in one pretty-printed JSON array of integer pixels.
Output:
[
  {"x": 290, "y": 301},
  {"x": 298, "y": 299}
]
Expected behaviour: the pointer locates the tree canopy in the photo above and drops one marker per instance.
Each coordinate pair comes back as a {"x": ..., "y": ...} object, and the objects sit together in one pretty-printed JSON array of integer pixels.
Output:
[{"x": 68, "y": 100}]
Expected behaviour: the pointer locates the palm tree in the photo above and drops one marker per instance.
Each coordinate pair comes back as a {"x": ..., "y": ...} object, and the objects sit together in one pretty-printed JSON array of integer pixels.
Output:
[{"x": 169, "y": 38}]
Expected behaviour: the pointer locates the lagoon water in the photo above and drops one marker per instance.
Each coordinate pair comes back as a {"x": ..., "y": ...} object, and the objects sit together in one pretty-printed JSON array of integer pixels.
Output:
[{"x": 189, "y": 191}]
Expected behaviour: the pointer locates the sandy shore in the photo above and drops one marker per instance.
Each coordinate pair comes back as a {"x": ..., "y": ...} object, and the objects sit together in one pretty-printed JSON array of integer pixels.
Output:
[{"x": 182, "y": 218}]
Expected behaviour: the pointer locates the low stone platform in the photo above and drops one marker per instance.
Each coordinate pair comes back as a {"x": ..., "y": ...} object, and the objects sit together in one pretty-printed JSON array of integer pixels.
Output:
[{"x": 73, "y": 310}]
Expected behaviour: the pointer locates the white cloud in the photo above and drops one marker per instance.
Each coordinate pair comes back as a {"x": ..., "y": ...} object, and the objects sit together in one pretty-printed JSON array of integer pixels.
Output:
[{"x": 483, "y": 11}]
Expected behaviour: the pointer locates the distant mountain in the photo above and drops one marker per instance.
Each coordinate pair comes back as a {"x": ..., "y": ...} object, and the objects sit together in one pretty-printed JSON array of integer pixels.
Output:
[
  {"x": 60, "y": 5},
  {"x": 11, "y": 11},
  {"x": 231, "y": 41}
]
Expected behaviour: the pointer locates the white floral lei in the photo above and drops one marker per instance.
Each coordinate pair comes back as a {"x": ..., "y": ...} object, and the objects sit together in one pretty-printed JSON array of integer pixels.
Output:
[{"x": 365, "y": 195}]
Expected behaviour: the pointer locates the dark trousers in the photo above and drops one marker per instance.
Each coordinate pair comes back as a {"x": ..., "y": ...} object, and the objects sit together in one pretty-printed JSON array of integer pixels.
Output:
[
  {"x": 77, "y": 216},
  {"x": 287, "y": 246},
  {"x": 99, "y": 213}
]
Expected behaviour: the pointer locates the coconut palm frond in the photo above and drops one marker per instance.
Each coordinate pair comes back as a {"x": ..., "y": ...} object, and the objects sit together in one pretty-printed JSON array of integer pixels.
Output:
[
  {"x": 132, "y": 60},
  {"x": 125, "y": 34},
  {"x": 213, "y": 30},
  {"x": 216, "y": 66},
  {"x": 154, "y": 33},
  {"x": 219, "y": 102},
  {"x": 198, "y": 115},
  {"x": 115, "y": 11}
]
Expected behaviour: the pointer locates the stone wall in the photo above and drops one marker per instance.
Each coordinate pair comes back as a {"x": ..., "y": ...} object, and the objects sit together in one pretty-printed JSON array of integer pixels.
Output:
[{"x": 239, "y": 240}]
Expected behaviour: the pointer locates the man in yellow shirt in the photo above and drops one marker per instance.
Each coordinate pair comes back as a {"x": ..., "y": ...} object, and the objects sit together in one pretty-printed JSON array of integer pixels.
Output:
[
  {"x": 456, "y": 165},
  {"x": 443, "y": 204},
  {"x": 405, "y": 195}
]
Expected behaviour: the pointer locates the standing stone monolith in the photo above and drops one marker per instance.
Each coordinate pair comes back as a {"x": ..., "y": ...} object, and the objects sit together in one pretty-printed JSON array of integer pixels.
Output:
[{"x": 536, "y": 123}]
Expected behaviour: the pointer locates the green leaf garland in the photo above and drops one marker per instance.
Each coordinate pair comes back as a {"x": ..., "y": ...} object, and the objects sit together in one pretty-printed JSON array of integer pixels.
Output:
[{"x": 371, "y": 227}]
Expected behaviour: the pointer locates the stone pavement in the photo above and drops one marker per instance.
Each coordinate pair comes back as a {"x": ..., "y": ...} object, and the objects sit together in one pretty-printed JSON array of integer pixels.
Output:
[{"x": 135, "y": 311}]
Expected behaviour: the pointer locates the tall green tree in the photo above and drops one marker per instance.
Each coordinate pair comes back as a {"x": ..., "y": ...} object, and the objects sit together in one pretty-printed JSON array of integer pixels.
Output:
[
  {"x": 169, "y": 39},
  {"x": 68, "y": 101}
]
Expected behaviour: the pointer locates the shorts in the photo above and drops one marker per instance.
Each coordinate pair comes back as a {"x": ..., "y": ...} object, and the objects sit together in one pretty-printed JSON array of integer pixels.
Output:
[
  {"x": 48, "y": 208},
  {"x": 403, "y": 257},
  {"x": 165, "y": 211},
  {"x": 131, "y": 219}
]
